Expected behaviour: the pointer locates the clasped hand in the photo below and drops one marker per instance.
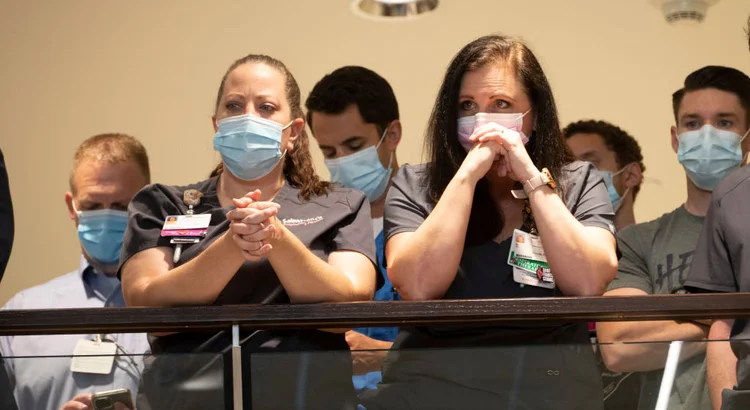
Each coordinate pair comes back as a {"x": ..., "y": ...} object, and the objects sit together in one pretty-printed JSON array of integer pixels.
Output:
[
  {"x": 494, "y": 143},
  {"x": 253, "y": 225}
]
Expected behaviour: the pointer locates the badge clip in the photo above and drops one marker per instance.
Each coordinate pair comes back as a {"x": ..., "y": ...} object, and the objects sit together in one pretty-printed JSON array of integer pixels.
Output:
[{"x": 191, "y": 198}]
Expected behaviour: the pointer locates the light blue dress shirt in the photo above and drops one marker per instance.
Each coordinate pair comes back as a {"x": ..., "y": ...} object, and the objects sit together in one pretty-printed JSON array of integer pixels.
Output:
[{"x": 45, "y": 383}]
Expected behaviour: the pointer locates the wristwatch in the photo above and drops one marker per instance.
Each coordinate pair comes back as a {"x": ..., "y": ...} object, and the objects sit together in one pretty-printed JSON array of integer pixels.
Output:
[{"x": 534, "y": 183}]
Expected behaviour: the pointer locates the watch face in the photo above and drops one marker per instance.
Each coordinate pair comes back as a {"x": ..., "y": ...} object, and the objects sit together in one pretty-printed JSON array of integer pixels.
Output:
[{"x": 550, "y": 181}]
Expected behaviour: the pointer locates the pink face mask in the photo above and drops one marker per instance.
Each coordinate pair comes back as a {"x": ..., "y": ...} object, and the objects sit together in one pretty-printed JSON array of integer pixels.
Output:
[{"x": 467, "y": 125}]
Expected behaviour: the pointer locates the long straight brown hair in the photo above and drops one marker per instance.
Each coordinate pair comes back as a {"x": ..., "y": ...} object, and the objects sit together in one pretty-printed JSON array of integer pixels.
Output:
[
  {"x": 298, "y": 167},
  {"x": 546, "y": 147}
]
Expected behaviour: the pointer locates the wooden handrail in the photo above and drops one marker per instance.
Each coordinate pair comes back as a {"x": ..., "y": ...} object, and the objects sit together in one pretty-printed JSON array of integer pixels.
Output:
[{"x": 485, "y": 312}]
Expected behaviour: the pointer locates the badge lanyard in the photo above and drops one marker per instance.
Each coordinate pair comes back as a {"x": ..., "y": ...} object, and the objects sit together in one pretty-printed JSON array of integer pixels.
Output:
[
  {"x": 527, "y": 257},
  {"x": 188, "y": 228},
  {"x": 98, "y": 356}
]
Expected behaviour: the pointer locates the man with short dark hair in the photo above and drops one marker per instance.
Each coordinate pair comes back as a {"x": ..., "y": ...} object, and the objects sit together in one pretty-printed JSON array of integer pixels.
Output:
[
  {"x": 108, "y": 170},
  {"x": 353, "y": 115},
  {"x": 712, "y": 114},
  {"x": 617, "y": 156}
]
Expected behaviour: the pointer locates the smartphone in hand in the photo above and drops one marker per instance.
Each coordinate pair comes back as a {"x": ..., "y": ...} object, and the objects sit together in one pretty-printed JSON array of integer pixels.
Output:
[{"x": 113, "y": 400}]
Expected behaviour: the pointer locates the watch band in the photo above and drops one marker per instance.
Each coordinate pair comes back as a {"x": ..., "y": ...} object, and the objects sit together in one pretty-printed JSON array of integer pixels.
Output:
[{"x": 535, "y": 183}]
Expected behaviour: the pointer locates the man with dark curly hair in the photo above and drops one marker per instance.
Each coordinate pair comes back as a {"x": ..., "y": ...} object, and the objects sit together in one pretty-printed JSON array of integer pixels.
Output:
[{"x": 617, "y": 156}]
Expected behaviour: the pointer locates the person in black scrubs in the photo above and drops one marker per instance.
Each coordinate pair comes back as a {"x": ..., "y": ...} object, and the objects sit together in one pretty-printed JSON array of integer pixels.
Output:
[
  {"x": 277, "y": 235},
  {"x": 6, "y": 217},
  {"x": 449, "y": 225},
  {"x": 6, "y": 244}
]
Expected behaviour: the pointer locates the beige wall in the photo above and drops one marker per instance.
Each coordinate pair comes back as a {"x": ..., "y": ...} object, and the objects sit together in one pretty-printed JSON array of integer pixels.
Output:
[{"x": 72, "y": 69}]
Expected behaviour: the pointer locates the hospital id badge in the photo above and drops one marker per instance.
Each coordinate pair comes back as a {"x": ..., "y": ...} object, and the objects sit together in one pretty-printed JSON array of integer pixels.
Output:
[
  {"x": 94, "y": 357},
  {"x": 186, "y": 225},
  {"x": 529, "y": 261}
]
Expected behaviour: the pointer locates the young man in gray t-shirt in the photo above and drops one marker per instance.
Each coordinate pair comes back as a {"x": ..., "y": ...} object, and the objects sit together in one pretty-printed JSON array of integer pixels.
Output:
[{"x": 711, "y": 118}]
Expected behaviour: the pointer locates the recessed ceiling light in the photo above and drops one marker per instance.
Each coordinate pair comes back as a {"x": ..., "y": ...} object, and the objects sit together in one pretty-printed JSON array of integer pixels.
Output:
[{"x": 393, "y": 9}]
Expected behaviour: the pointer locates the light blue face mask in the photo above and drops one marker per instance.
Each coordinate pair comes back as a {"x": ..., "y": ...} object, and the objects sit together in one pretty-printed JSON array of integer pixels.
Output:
[
  {"x": 709, "y": 154},
  {"x": 101, "y": 233},
  {"x": 614, "y": 197},
  {"x": 362, "y": 171},
  {"x": 249, "y": 145}
]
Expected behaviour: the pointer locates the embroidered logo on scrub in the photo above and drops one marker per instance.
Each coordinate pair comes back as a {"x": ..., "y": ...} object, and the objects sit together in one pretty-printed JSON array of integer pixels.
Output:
[{"x": 301, "y": 222}]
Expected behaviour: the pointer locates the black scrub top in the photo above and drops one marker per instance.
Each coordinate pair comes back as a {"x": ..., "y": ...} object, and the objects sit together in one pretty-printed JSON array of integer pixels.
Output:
[
  {"x": 6, "y": 217},
  {"x": 337, "y": 221},
  {"x": 484, "y": 271}
]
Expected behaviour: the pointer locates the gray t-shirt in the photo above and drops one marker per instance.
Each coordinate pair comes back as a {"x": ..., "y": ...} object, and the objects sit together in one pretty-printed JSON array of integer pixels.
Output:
[
  {"x": 721, "y": 265},
  {"x": 656, "y": 258}
]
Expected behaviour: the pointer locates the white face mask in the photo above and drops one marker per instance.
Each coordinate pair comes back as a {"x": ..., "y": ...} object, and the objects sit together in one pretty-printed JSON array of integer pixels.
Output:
[{"x": 467, "y": 125}]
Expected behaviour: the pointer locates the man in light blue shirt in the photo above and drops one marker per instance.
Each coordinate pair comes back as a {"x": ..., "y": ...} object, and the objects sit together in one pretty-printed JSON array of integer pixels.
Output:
[
  {"x": 353, "y": 114},
  {"x": 108, "y": 170}
]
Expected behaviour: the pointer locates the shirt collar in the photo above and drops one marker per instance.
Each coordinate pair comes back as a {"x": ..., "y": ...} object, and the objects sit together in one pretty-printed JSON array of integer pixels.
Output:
[
  {"x": 99, "y": 286},
  {"x": 83, "y": 267}
]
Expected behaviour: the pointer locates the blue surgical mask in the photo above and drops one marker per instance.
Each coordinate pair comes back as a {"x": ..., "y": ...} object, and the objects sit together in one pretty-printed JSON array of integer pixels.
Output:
[
  {"x": 249, "y": 145},
  {"x": 362, "y": 171},
  {"x": 614, "y": 197},
  {"x": 709, "y": 154},
  {"x": 101, "y": 233}
]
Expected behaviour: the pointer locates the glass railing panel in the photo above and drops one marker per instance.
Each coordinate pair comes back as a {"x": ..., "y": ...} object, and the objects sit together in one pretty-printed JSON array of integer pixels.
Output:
[{"x": 118, "y": 381}]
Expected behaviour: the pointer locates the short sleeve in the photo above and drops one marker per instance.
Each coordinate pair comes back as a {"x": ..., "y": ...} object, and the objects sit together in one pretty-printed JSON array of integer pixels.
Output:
[
  {"x": 632, "y": 271},
  {"x": 146, "y": 214},
  {"x": 711, "y": 269},
  {"x": 587, "y": 197},
  {"x": 354, "y": 233},
  {"x": 406, "y": 205}
]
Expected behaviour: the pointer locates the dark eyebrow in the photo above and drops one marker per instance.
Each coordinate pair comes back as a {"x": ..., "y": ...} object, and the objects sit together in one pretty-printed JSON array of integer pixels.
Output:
[
  {"x": 690, "y": 116},
  {"x": 355, "y": 138},
  {"x": 727, "y": 114},
  {"x": 588, "y": 155},
  {"x": 349, "y": 140}
]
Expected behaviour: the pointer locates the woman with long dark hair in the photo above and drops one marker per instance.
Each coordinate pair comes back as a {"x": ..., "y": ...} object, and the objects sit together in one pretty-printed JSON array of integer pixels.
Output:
[
  {"x": 499, "y": 178},
  {"x": 276, "y": 234}
]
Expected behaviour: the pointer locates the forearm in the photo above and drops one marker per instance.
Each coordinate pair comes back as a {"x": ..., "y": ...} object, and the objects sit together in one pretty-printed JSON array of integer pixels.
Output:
[
  {"x": 721, "y": 363},
  {"x": 581, "y": 264},
  {"x": 637, "y": 354},
  {"x": 424, "y": 266},
  {"x": 197, "y": 282},
  {"x": 309, "y": 279}
]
